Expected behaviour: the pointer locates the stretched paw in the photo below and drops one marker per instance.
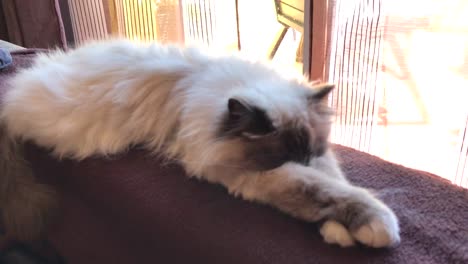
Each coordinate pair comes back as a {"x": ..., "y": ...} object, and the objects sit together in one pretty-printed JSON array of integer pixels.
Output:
[
  {"x": 335, "y": 233},
  {"x": 380, "y": 231}
]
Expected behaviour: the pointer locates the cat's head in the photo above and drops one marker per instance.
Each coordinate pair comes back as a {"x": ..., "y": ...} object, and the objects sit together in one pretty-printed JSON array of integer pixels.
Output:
[{"x": 268, "y": 130}]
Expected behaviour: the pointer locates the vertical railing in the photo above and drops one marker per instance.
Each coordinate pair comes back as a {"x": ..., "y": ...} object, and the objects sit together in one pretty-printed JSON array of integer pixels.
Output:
[
  {"x": 355, "y": 57},
  {"x": 88, "y": 20},
  {"x": 461, "y": 177},
  {"x": 145, "y": 20},
  {"x": 210, "y": 23},
  {"x": 390, "y": 100},
  {"x": 137, "y": 19}
]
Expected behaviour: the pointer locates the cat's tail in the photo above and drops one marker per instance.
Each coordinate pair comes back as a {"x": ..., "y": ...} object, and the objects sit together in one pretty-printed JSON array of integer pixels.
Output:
[{"x": 25, "y": 204}]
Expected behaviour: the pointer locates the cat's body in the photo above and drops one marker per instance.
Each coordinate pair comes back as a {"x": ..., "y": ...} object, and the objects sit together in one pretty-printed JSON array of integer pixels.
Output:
[{"x": 227, "y": 120}]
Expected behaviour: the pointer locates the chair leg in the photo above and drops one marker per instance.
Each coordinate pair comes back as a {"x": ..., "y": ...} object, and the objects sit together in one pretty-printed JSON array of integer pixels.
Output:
[
  {"x": 277, "y": 42},
  {"x": 299, "y": 51}
]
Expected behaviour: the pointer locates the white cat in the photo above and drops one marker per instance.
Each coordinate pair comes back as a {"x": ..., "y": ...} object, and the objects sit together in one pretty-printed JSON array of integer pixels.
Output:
[{"x": 225, "y": 119}]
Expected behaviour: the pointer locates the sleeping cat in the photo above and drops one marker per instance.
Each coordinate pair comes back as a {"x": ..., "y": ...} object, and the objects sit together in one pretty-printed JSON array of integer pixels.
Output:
[{"x": 227, "y": 120}]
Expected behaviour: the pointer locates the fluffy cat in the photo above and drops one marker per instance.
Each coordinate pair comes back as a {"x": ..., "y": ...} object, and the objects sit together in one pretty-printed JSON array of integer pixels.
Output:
[{"x": 228, "y": 120}]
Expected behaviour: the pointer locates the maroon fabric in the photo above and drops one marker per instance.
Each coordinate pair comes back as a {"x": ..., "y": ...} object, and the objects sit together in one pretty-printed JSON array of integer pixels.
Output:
[
  {"x": 32, "y": 23},
  {"x": 133, "y": 209}
]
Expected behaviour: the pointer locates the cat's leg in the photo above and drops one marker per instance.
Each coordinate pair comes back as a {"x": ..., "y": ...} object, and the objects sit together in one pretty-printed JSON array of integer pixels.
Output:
[
  {"x": 349, "y": 212},
  {"x": 27, "y": 208},
  {"x": 332, "y": 231},
  {"x": 26, "y": 205}
]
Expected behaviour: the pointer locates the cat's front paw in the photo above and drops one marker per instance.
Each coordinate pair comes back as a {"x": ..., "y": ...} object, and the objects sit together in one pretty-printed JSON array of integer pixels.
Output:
[
  {"x": 381, "y": 230},
  {"x": 335, "y": 233}
]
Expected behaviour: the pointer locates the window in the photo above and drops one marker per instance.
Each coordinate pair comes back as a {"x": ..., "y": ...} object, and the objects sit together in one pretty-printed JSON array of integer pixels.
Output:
[{"x": 401, "y": 68}]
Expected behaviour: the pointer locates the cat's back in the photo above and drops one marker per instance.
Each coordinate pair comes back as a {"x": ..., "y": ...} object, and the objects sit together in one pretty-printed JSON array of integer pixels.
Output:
[
  {"x": 95, "y": 66},
  {"x": 83, "y": 98},
  {"x": 58, "y": 74}
]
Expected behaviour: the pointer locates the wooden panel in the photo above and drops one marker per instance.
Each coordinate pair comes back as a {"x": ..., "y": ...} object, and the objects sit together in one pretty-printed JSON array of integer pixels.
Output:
[
  {"x": 298, "y": 4},
  {"x": 319, "y": 41},
  {"x": 290, "y": 16}
]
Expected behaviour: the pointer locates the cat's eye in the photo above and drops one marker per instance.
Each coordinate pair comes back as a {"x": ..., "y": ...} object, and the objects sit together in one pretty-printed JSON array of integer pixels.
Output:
[{"x": 253, "y": 136}]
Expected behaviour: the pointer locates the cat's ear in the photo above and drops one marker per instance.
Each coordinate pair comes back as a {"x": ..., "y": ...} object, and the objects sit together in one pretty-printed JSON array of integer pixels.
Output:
[
  {"x": 320, "y": 92},
  {"x": 238, "y": 109},
  {"x": 245, "y": 119}
]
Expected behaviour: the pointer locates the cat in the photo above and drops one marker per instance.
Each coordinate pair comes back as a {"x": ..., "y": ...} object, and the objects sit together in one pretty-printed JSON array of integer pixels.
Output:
[{"x": 229, "y": 120}]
